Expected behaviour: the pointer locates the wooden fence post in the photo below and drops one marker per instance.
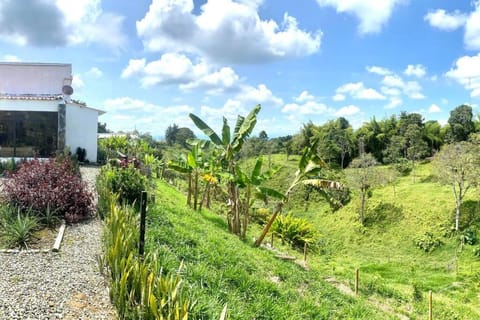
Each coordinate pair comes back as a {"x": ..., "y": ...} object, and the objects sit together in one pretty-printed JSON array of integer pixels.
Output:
[
  {"x": 356, "y": 280},
  {"x": 430, "y": 306},
  {"x": 143, "y": 214}
]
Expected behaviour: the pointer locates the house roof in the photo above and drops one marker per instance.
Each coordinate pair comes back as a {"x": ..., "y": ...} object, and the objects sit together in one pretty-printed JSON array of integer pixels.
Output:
[{"x": 48, "y": 97}]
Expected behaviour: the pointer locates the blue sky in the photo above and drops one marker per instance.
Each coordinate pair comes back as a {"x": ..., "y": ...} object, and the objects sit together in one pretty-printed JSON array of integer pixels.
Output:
[{"x": 150, "y": 63}]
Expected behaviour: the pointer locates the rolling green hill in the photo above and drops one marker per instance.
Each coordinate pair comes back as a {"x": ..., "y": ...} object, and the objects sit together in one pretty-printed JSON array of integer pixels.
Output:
[{"x": 395, "y": 275}]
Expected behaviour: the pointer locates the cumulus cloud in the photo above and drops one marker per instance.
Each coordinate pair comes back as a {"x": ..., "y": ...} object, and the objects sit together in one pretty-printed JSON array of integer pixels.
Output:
[
  {"x": 56, "y": 23},
  {"x": 224, "y": 31},
  {"x": 77, "y": 82},
  {"x": 127, "y": 113},
  {"x": 260, "y": 94},
  {"x": 304, "y": 96},
  {"x": 467, "y": 73},
  {"x": 309, "y": 107},
  {"x": 373, "y": 14},
  {"x": 446, "y": 21},
  {"x": 176, "y": 68},
  {"x": 434, "y": 109},
  {"x": 339, "y": 97},
  {"x": 358, "y": 91},
  {"x": 394, "y": 103},
  {"x": 417, "y": 70},
  {"x": 412, "y": 89},
  {"x": 450, "y": 21},
  {"x": 346, "y": 111},
  {"x": 378, "y": 70},
  {"x": 94, "y": 72}
]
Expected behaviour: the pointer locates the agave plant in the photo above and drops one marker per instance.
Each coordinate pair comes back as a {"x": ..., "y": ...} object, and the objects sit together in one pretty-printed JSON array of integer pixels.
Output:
[{"x": 18, "y": 228}]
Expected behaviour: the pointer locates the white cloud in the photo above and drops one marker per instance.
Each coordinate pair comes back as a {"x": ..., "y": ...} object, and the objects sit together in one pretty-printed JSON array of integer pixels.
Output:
[
  {"x": 434, "y": 109},
  {"x": 126, "y": 113},
  {"x": 472, "y": 29},
  {"x": 309, "y": 107},
  {"x": 389, "y": 91},
  {"x": 57, "y": 23},
  {"x": 446, "y": 21},
  {"x": 450, "y": 21},
  {"x": 358, "y": 91},
  {"x": 258, "y": 95},
  {"x": 467, "y": 73},
  {"x": 86, "y": 22},
  {"x": 224, "y": 31},
  {"x": 410, "y": 88},
  {"x": 339, "y": 97},
  {"x": 394, "y": 103},
  {"x": 77, "y": 82},
  {"x": 346, "y": 111},
  {"x": 175, "y": 68},
  {"x": 378, "y": 70},
  {"x": 10, "y": 58},
  {"x": 304, "y": 96},
  {"x": 417, "y": 70},
  {"x": 373, "y": 14},
  {"x": 94, "y": 72}
]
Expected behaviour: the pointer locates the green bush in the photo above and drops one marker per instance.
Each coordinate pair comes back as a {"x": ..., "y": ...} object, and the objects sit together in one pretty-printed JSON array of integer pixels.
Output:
[
  {"x": 428, "y": 242},
  {"x": 127, "y": 182},
  {"x": 260, "y": 215},
  {"x": 403, "y": 166},
  {"x": 293, "y": 230}
]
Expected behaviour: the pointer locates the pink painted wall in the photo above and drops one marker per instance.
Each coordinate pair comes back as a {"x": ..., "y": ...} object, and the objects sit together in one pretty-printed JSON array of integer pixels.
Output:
[{"x": 34, "y": 78}]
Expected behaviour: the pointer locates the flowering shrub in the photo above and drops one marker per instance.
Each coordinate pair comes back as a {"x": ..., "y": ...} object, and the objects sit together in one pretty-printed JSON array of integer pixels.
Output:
[{"x": 49, "y": 184}]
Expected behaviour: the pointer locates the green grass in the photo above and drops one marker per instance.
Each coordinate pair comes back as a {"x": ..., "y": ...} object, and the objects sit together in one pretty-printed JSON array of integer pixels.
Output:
[{"x": 220, "y": 269}]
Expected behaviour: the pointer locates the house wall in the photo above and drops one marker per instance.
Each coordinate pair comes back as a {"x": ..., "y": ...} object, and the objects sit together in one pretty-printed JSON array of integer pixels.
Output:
[
  {"x": 81, "y": 130},
  {"x": 34, "y": 78}
]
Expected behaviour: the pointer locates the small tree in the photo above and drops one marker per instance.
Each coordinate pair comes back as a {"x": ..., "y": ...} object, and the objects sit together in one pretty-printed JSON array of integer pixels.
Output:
[
  {"x": 457, "y": 165},
  {"x": 363, "y": 176}
]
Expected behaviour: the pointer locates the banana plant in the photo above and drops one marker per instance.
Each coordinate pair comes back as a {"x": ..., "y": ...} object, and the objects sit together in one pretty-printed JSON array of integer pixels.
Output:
[
  {"x": 309, "y": 168},
  {"x": 230, "y": 145},
  {"x": 251, "y": 183}
]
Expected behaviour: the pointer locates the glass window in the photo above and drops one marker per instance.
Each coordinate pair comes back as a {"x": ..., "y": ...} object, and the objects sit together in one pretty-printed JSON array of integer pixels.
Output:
[{"x": 28, "y": 133}]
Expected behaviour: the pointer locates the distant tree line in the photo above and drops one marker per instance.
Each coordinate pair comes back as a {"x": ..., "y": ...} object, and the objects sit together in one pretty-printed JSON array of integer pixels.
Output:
[{"x": 406, "y": 137}]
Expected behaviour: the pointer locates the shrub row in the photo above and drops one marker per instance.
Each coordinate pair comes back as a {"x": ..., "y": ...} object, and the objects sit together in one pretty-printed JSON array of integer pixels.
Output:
[{"x": 138, "y": 289}]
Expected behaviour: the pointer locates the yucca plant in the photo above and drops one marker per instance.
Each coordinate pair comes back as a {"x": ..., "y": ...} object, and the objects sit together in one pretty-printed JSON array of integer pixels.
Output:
[
  {"x": 294, "y": 230},
  {"x": 50, "y": 217},
  {"x": 17, "y": 227}
]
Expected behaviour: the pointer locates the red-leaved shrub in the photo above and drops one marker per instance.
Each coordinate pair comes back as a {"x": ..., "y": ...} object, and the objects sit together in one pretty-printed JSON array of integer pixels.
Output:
[{"x": 37, "y": 184}]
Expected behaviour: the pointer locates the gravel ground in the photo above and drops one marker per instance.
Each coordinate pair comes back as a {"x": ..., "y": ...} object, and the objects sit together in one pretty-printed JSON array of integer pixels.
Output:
[{"x": 62, "y": 285}]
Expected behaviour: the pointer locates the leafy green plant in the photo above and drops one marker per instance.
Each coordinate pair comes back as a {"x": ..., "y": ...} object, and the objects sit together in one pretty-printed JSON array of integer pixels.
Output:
[
  {"x": 138, "y": 288},
  {"x": 428, "y": 242},
  {"x": 127, "y": 182},
  {"x": 18, "y": 228},
  {"x": 468, "y": 236},
  {"x": 294, "y": 230},
  {"x": 49, "y": 217}
]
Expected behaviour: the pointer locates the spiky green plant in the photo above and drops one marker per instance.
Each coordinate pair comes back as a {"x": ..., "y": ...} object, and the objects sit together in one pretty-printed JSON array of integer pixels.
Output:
[{"x": 17, "y": 227}]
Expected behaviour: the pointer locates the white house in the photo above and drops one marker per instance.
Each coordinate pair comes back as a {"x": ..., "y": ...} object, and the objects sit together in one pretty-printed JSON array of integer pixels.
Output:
[{"x": 37, "y": 116}]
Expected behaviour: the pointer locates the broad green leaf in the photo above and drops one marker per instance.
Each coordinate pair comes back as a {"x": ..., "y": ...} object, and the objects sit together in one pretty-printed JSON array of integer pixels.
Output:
[
  {"x": 225, "y": 132},
  {"x": 206, "y": 129},
  {"x": 270, "y": 192},
  {"x": 246, "y": 128},
  {"x": 257, "y": 171}
]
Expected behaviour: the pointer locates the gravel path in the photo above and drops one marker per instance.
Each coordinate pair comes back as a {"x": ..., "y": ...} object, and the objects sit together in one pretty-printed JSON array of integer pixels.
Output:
[{"x": 63, "y": 285}]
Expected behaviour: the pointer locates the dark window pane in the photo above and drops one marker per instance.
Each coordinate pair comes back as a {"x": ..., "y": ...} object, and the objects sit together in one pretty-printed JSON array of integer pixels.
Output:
[{"x": 28, "y": 134}]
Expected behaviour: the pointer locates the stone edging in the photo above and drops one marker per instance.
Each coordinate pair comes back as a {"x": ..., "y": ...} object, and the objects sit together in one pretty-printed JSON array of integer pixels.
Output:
[{"x": 55, "y": 247}]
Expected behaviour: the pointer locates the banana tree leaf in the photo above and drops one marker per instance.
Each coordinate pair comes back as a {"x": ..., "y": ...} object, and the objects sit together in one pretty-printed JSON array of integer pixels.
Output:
[
  {"x": 264, "y": 191},
  {"x": 206, "y": 129},
  {"x": 225, "y": 132},
  {"x": 179, "y": 167}
]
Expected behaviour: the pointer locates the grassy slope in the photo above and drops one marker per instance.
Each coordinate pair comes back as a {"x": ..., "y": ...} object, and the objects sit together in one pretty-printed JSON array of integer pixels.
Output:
[
  {"x": 220, "y": 269},
  {"x": 389, "y": 262}
]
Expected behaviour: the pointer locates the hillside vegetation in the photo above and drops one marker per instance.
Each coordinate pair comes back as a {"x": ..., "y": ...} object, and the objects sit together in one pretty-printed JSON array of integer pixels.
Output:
[
  {"x": 385, "y": 248},
  {"x": 219, "y": 268}
]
